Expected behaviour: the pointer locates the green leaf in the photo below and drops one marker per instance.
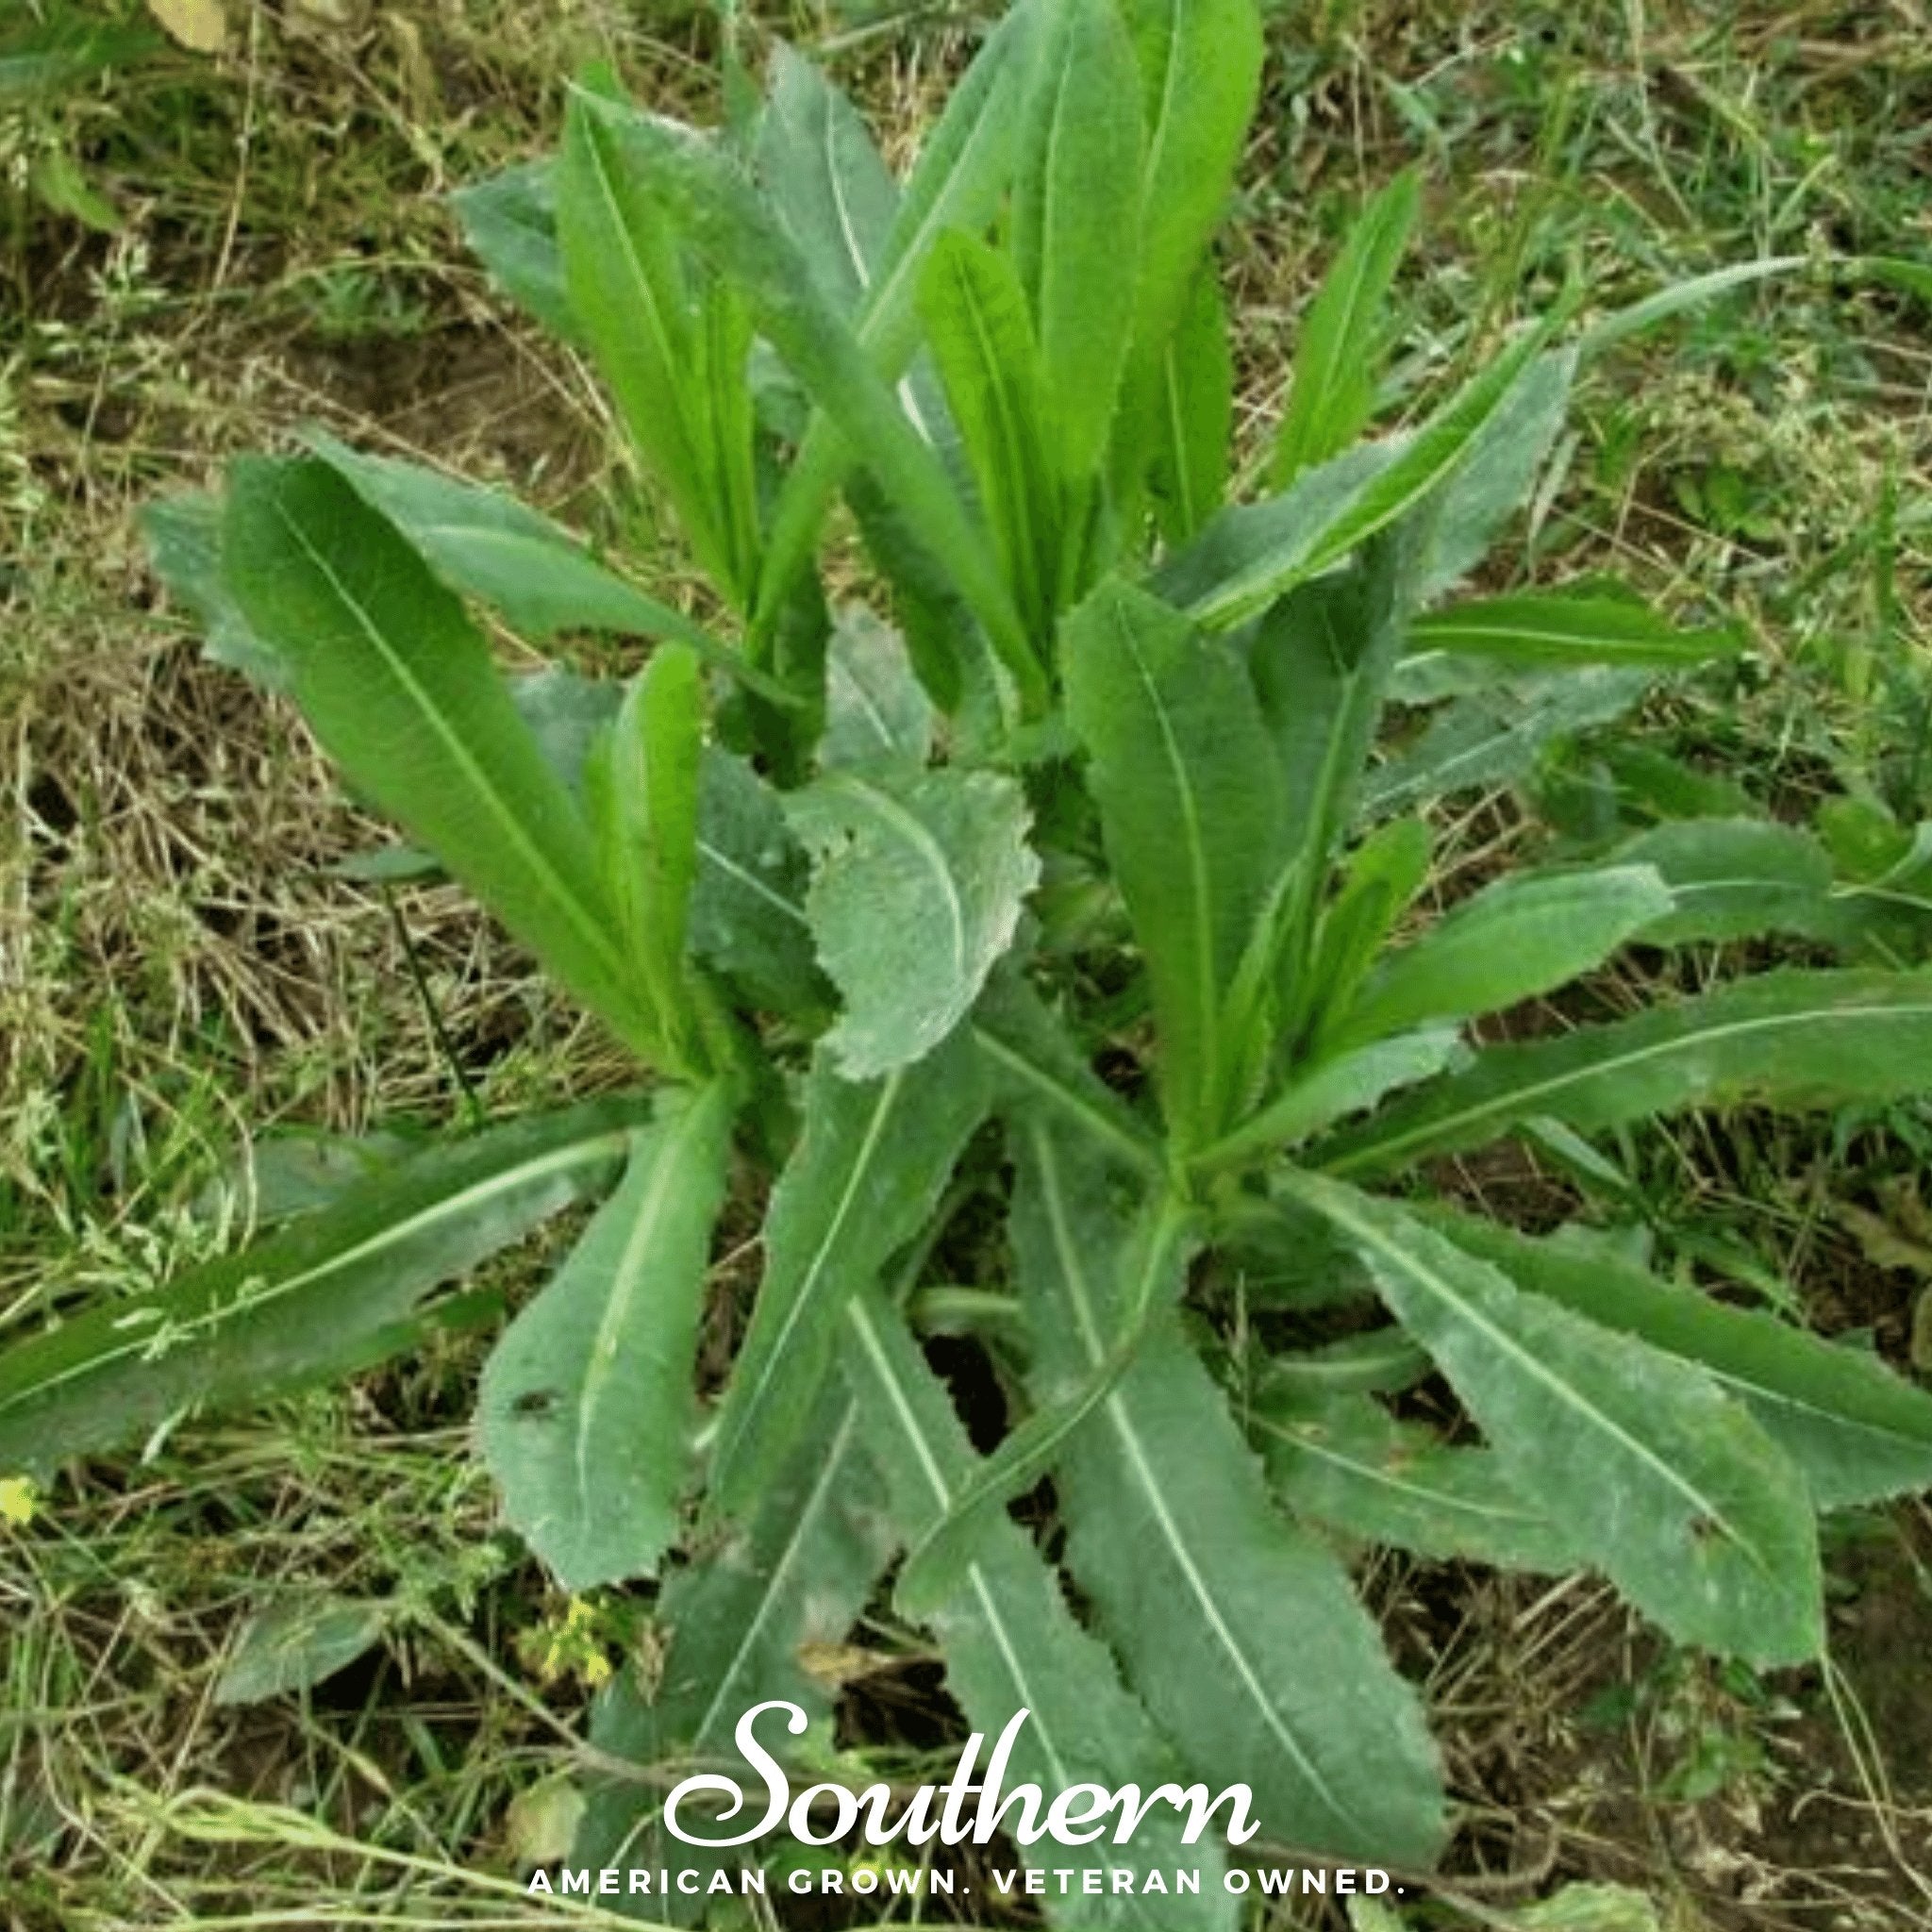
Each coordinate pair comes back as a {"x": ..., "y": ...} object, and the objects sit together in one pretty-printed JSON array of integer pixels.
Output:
[
  {"x": 1234, "y": 1625},
  {"x": 1321, "y": 662},
  {"x": 1858, "y": 1432},
  {"x": 1495, "y": 736},
  {"x": 719, "y": 214},
  {"x": 1195, "y": 431},
  {"x": 876, "y": 708},
  {"x": 1738, "y": 878},
  {"x": 1199, "y": 66},
  {"x": 1676, "y": 297},
  {"x": 1338, "y": 348},
  {"x": 734, "y": 1625},
  {"x": 1077, "y": 219},
  {"x": 747, "y": 903},
  {"x": 184, "y": 538},
  {"x": 399, "y": 687},
  {"x": 1353, "y": 1079},
  {"x": 483, "y": 543},
  {"x": 644, "y": 784},
  {"x": 306, "y": 1301},
  {"x": 1249, "y": 556},
  {"x": 1381, "y": 877},
  {"x": 627, "y": 285},
  {"x": 1498, "y": 474},
  {"x": 982, "y": 343},
  {"x": 56, "y": 49},
  {"x": 1559, "y": 630},
  {"x": 1381, "y": 1361},
  {"x": 510, "y": 221},
  {"x": 936, "y": 1564},
  {"x": 1667, "y": 1486},
  {"x": 918, "y": 879},
  {"x": 585, "y": 1406},
  {"x": 1349, "y": 1465},
  {"x": 1031, "y": 1058},
  {"x": 869, "y": 1166},
  {"x": 297, "y": 1643},
  {"x": 960, "y": 174},
  {"x": 824, "y": 178},
  {"x": 1521, "y": 937},
  {"x": 1789, "y": 1038},
  {"x": 1011, "y": 1644},
  {"x": 1191, "y": 805}
]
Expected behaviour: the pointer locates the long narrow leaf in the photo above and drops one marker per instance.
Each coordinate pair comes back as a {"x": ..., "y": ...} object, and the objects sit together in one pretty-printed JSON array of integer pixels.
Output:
[
  {"x": 1666, "y": 1485},
  {"x": 306, "y": 1301},
  {"x": 1338, "y": 353},
  {"x": 585, "y": 1404},
  {"x": 1233, "y": 1624},
  {"x": 1858, "y": 1432},
  {"x": 868, "y": 1165},
  {"x": 1011, "y": 1645},
  {"x": 399, "y": 687},
  {"x": 1791, "y": 1039}
]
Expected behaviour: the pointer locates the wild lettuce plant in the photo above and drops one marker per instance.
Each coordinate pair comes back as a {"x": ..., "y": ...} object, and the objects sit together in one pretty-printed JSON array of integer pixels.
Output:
[{"x": 1070, "y": 892}]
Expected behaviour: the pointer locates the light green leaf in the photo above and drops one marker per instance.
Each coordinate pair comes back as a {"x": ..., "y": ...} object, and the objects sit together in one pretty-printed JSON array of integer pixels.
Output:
[
  {"x": 1191, "y": 805},
  {"x": 1077, "y": 219},
  {"x": 483, "y": 543},
  {"x": 917, "y": 883},
  {"x": 585, "y": 1406},
  {"x": 870, "y": 1162},
  {"x": 307, "y": 1301},
  {"x": 1381, "y": 1361},
  {"x": 510, "y": 221},
  {"x": 1354, "y": 1079},
  {"x": 1250, "y": 556},
  {"x": 1521, "y": 937},
  {"x": 1338, "y": 348},
  {"x": 982, "y": 343},
  {"x": 644, "y": 784},
  {"x": 297, "y": 1643},
  {"x": 1346, "y": 1463},
  {"x": 1011, "y": 1644},
  {"x": 399, "y": 687},
  {"x": 1667, "y": 1486},
  {"x": 629, "y": 286},
  {"x": 1234, "y": 1625},
  {"x": 735, "y": 1622},
  {"x": 1858, "y": 1432},
  {"x": 184, "y": 539},
  {"x": 1320, "y": 661},
  {"x": 1789, "y": 1038},
  {"x": 1377, "y": 885},
  {"x": 1675, "y": 298},
  {"x": 1559, "y": 630},
  {"x": 1195, "y": 429},
  {"x": 720, "y": 215},
  {"x": 876, "y": 708},
  {"x": 956, "y": 182},
  {"x": 824, "y": 178},
  {"x": 1200, "y": 64}
]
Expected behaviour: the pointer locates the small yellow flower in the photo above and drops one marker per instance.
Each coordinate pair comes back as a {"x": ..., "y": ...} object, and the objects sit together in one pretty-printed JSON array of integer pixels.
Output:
[{"x": 18, "y": 1498}]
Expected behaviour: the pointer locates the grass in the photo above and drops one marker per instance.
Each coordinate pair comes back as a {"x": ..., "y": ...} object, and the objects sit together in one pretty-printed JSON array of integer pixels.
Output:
[{"x": 261, "y": 239}]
